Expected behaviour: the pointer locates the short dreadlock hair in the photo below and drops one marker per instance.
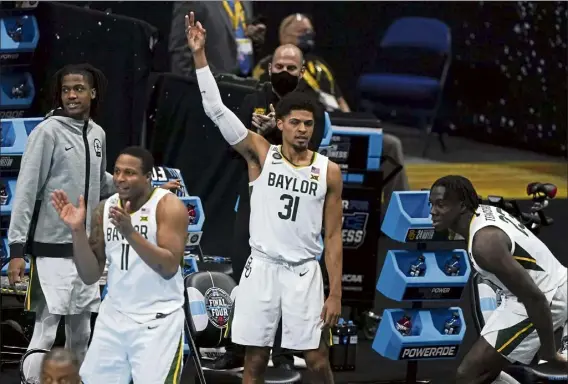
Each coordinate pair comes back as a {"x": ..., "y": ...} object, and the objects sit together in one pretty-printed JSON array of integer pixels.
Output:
[
  {"x": 61, "y": 355},
  {"x": 460, "y": 188},
  {"x": 94, "y": 77}
]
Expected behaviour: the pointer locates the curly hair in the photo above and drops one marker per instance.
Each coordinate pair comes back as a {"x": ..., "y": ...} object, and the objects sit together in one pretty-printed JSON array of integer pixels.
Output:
[{"x": 94, "y": 77}]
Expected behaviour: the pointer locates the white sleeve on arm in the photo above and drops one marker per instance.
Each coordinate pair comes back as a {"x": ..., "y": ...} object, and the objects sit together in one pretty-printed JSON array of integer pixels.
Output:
[{"x": 231, "y": 127}]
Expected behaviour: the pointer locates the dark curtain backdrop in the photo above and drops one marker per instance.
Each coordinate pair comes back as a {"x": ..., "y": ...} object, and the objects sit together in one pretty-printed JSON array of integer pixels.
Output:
[
  {"x": 180, "y": 135},
  {"x": 508, "y": 80},
  {"x": 117, "y": 45}
]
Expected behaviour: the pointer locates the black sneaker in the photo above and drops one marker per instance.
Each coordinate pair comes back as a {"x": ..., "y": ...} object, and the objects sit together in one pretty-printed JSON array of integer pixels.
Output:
[
  {"x": 230, "y": 361},
  {"x": 285, "y": 366}
]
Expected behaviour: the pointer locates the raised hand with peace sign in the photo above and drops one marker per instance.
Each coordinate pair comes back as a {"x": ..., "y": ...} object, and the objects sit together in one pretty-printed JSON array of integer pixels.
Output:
[{"x": 195, "y": 33}]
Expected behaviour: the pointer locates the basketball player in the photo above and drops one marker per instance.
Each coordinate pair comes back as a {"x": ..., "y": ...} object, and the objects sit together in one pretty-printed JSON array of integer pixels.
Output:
[
  {"x": 506, "y": 253},
  {"x": 142, "y": 232},
  {"x": 67, "y": 149},
  {"x": 294, "y": 190},
  {"x": 60, "y": 366}
]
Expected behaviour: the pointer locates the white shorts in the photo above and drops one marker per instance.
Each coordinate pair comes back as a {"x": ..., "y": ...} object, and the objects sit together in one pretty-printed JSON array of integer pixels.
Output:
[
  {"x": 269, "y": 289},
  {"x": 123, "y": 350},
  {"x": 510, "y": 331},
  {"x": 57, "y": 281}
]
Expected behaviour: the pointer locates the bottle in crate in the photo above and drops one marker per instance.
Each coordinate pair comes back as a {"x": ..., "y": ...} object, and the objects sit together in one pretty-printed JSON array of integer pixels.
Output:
[
  {"x": 3, "y": 194},
  {"x": 452, "y": 266},
  {"x": 418, "y": 268},
  {"x": 351, "y": 360},
  {"x": 404, "y": 325},
  {"x": 338, "y": 348},
  {"x": 452, "y": 325}
]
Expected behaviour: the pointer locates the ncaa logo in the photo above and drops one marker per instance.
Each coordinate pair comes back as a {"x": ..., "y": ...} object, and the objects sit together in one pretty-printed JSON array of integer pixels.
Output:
[
  {"x": 218, "y": 305},
  {"x": 277, "y": 156}
]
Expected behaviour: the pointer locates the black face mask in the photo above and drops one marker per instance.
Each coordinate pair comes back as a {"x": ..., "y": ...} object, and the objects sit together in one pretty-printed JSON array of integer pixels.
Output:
[
  {"x": 283, "y": 82},
  {"x": 306, "y": 42}
]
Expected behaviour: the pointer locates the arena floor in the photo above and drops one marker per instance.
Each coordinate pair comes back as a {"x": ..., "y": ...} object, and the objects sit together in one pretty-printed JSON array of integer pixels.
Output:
[{"x": 493, "y": 170}]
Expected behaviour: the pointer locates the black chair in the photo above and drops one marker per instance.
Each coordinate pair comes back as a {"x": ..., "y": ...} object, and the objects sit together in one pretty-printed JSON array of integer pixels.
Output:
[
  {"x": 227, "y": 269},
  {"x": 209, "y": 306},
  {"x": 485, "y": 298}
]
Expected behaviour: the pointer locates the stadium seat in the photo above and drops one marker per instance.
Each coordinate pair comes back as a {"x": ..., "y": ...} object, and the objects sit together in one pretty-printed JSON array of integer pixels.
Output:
[
  {"x": 209, "y": 305},
  {"x": 409, "y": 73}
]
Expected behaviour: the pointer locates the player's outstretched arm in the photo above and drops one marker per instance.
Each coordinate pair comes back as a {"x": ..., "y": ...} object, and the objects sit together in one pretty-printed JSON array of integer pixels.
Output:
[
  {"x": 251, "y": 146},
  {"x": 172, "y": 220},
  {"x": 491, "y": 249},
  {"x": 89, "y": 253},
  {"x": 333, "y": 215}
]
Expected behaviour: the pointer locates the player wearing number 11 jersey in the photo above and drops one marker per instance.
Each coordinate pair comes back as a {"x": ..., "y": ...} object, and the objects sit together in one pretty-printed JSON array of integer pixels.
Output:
[
  {"x": 141, "y": 231},
  {"x": 294, "y": 191}
]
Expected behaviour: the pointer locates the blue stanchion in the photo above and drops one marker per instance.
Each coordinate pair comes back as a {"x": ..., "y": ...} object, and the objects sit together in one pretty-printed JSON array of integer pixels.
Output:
[{"x": 418, "y": 276}]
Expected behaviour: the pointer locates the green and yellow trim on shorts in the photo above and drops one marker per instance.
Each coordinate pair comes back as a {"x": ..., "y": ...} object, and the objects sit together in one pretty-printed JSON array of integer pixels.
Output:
[
  {"x": 34, "y": 293},
  {"x": 510, "y": 338},
  {"x": 174, "y": 374}
]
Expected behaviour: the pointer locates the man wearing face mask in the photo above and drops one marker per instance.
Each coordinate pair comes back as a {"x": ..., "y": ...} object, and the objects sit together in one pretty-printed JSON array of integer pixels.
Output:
[
  {"x": 285, "y": 74},
  {"x": 257, "y": 113},
  {"x": 297, "y": 29}
]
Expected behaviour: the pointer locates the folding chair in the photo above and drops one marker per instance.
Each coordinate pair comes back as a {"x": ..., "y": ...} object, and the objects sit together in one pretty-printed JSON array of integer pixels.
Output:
[{"x": 410, "y": 72}]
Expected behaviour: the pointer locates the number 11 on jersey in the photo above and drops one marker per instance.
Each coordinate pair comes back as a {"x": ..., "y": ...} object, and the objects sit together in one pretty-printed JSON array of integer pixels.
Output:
[{"x": 124, "y": 257}]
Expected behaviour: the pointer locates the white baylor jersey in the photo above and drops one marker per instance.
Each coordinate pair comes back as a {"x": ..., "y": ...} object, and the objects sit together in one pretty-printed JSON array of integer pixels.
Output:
[
  {"x": 531, "y": 253},
  {"x": 134, "y": 288},
  {"x": 286, "y": 208}
]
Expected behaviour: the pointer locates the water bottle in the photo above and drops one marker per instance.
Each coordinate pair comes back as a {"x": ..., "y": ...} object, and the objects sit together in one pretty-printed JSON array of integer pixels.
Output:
[
  {"x": 418, "y": 268},
  {"x": 351, "y": 360},
  {"x": 404, "y": 325},
  {"x": 452, "y": 266},
  {"x": 452, "y": 325},
  {"x": 3, "y": 194},
  {"x": 192, "y": 214},
  {"x": 338, "y": 348}
]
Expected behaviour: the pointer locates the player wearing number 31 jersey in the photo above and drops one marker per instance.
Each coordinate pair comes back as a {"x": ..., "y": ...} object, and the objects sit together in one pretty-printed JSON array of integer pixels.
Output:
[
  {"x": 141, "y": 232},
  {"x": 294, "y": 191},
  {"x": 287, "y": 203}
]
